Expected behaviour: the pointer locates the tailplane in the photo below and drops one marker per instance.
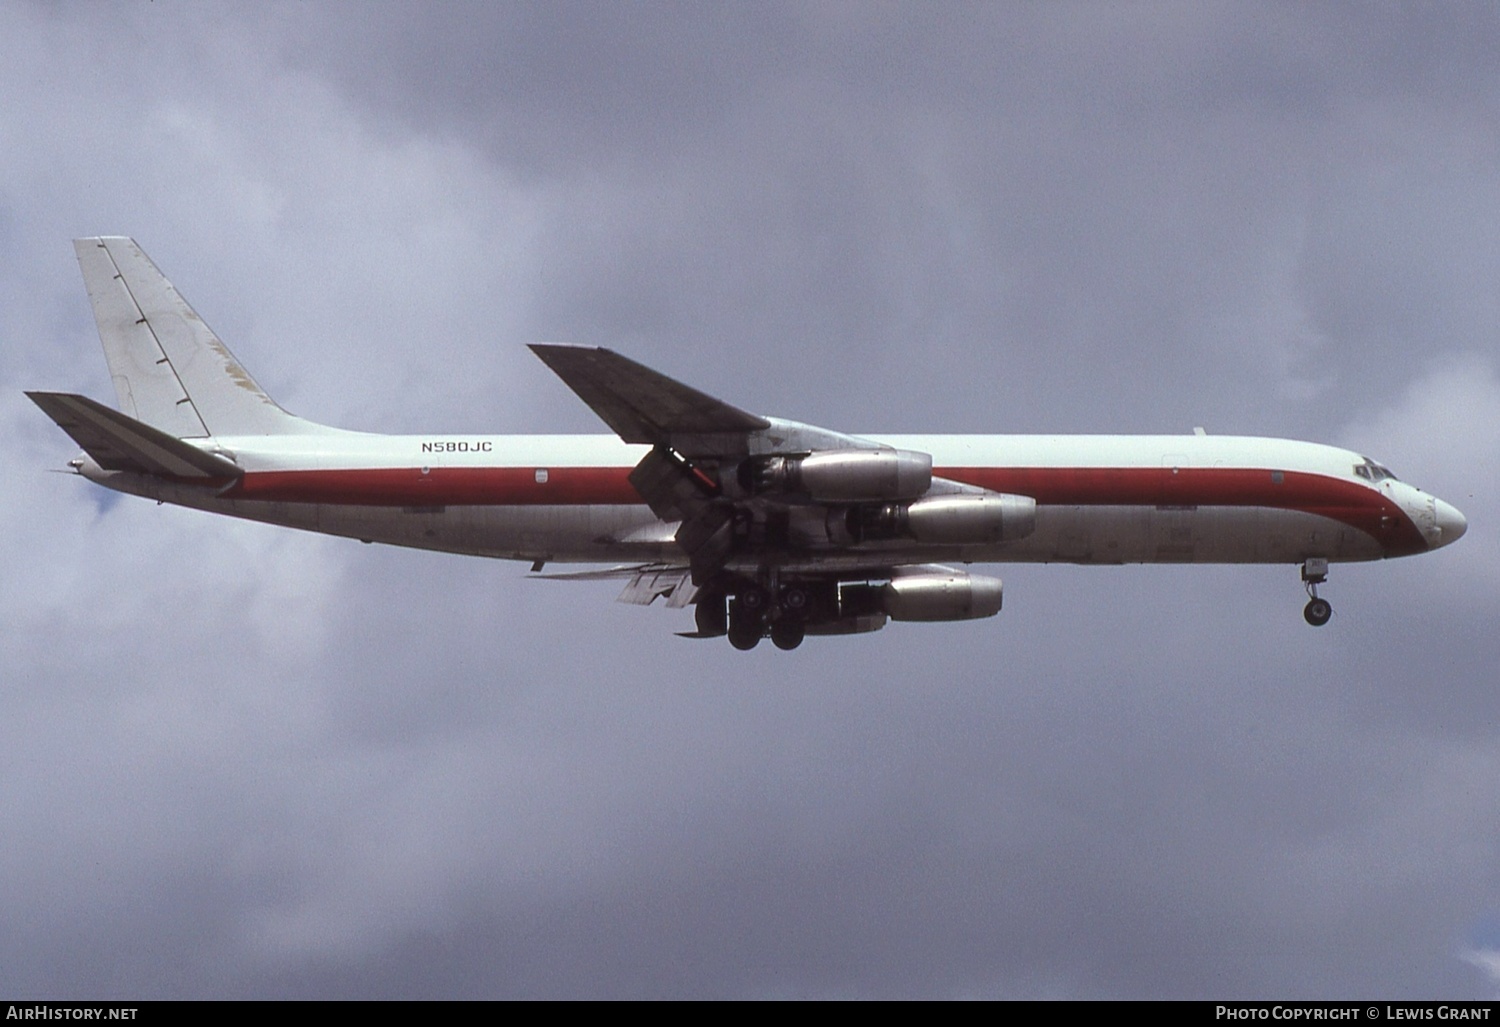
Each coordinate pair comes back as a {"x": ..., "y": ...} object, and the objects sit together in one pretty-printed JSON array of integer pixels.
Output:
[
  {"x": 121, "y": 443},
  {"x": 170, "y": 370}
]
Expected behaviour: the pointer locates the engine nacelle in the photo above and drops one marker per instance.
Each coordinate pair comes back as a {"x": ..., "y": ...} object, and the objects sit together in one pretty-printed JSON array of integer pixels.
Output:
[
  {"x": 971, "y": 520},
  {"x": 842, "y": 475},
  {"x": 941, "y": 595},
  {"x": 855, "y": 625},
  {"x": 960, "y": 520}
]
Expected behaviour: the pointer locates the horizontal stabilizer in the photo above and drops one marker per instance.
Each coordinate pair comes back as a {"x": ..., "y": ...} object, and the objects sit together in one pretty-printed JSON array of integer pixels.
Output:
[
  {"x": 121, "y": 443},
  {"x": 642, "y": 405}
]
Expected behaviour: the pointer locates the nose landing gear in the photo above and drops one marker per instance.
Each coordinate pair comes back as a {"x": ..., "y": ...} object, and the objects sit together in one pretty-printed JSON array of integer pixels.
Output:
[{"x": 1317, "y": 611}]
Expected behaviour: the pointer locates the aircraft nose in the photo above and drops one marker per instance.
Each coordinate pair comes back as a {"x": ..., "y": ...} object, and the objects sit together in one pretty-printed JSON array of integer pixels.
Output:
[{"x": 1451, "y": 524}]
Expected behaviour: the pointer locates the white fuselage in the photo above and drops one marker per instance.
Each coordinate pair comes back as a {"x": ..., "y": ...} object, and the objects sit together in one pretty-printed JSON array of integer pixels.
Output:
[{"x": 1100, "y": 499}]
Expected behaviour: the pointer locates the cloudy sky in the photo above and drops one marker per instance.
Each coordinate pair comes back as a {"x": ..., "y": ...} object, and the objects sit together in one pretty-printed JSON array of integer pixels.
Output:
[{"x": 240, "y": 761}]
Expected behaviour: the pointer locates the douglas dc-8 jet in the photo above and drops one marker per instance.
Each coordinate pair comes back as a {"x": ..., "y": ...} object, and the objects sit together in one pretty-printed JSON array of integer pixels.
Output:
[{"x": 767, "y": 527}]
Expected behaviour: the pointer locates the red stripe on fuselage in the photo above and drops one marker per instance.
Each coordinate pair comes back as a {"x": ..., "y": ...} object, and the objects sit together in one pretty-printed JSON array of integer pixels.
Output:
[{"x": 1348, "y": 502}]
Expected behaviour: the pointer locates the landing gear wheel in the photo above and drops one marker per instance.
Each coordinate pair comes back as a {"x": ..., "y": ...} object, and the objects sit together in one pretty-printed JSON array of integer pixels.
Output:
[
  {"x": 794, "y": 599},
  {"x": 753, "y": 600},
  {"x": 744, "y": 636},
  {"x": 787, "y": 633},
  {"x": 746, "y": 628},
  {"x": 710, "y": 614},
  {"x": 1314, "y": 573},
  {"x": 743, "y": 639},
  {"x": 1317, "y": 611}
]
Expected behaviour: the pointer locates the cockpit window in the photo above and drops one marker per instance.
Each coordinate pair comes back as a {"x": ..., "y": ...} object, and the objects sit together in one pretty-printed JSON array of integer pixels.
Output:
[{"x": 1372, "y": 472}]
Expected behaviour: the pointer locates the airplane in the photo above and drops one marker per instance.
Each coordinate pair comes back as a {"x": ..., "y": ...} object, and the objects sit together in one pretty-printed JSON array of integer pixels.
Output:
[{"x": 766, "y": 527}]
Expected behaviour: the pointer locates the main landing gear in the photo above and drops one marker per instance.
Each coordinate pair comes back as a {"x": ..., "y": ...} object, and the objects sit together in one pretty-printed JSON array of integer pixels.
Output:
[
  {"x": 1317, "y": 611},
  {"x": 748, "y": 612}
]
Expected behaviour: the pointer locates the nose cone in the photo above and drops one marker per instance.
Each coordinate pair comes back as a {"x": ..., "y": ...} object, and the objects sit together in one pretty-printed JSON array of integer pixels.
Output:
[{"x": 1451, "y": 524}]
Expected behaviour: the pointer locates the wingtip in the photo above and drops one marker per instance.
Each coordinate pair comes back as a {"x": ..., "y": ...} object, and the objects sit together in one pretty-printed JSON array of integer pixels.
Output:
[
  {"x": 542, "y": 349},
  {"x": 41, "y": 397}
]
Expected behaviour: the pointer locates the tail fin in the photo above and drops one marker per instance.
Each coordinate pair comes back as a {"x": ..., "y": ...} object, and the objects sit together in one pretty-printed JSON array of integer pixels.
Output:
[{"x": 170, "y": 370}]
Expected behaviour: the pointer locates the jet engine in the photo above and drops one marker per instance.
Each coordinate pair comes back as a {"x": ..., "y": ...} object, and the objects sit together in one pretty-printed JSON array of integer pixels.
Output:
[
  {"x": 840, "y": 476},
  {"x": 931, "y": 594},
  {"x": 857, "y": 625},
  {"x": 944, "y": 520},
  {"x": 948, "y": 595}
]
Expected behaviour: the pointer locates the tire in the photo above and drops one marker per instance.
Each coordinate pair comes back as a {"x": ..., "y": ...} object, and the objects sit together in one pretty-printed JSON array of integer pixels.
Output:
[
  {"x": 753, "y": 599},
  {"x": 745, "y": 625},
  {"x": 787, "y": 633},
  {"x": 1317, "y": 612},
  {"x": 743, "y": 637},
  {"x": 710, "y": 615}
]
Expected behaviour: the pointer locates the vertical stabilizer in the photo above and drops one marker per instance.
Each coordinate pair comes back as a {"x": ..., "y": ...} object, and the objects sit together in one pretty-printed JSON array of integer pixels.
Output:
[{"x": 169, "y": 369}]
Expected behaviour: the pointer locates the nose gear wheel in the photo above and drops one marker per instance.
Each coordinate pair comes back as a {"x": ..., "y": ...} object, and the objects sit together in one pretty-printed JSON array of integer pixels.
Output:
[{"x": 1317, "y": 611}]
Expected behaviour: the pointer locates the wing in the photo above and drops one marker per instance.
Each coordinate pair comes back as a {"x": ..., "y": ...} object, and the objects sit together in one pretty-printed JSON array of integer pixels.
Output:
[
  {"x": 708, "y": 458},
  {"x": 789, "y": 529},
  {"x": 642, "y": 405}
]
